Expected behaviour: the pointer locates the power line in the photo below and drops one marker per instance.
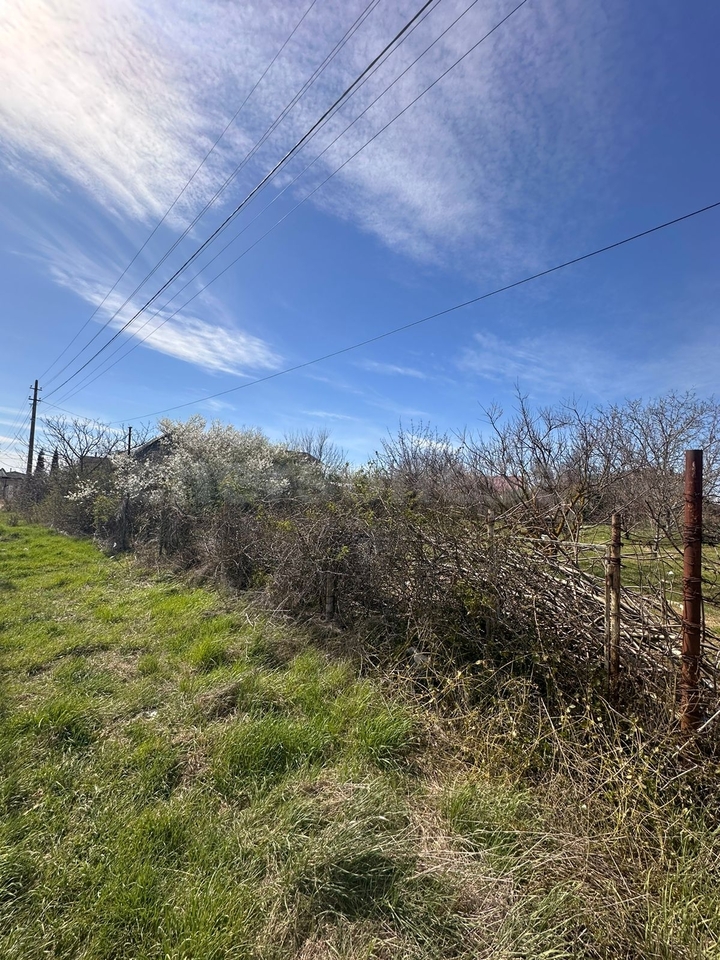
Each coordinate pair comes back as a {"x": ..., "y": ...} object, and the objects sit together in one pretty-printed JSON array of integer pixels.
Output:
[
  {"x": 17, "y": 419},
  {"x": 70, "y": 412},
  {"x": 251, "y": 153},
  {"x": 277, "y": 167},
  {"x": 21, "y": 429},
  {"x": 370, "y": 7},
  {"x": 435, "y": 316},
  {"x": 79, "y": 416},
  {"x": 16, "y": 429},
  {"x": 182, "y": 192},
  {"x": 18, "y": 424},
  {"x": 89, "y": 380}
]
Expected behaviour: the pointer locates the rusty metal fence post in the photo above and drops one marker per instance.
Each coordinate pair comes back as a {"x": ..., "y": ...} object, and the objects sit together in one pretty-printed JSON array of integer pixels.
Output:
[
  {"x": 692, "y": 593},
  {"x": 612, "y": 603}
]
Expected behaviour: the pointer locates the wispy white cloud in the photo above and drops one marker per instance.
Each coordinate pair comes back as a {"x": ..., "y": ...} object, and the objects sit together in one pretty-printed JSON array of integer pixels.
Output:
[
  {"x": 557, "y": 363},
  {"x": 124, "y": 98},
  {"x": 212, "y": 347},
  {"x": 392, "y": 369},
  {"x": 92, "y": 90},
  {"x": 549, "y": 363},
  {"x": 367, "y": 397},
  {"x": 218, "y": 405},
  {"x": 476, "y": 170},
  {"x": 329, "y": 415},
  {"x": 13, "y": 455},
  {"x": 189, "y": 336}
]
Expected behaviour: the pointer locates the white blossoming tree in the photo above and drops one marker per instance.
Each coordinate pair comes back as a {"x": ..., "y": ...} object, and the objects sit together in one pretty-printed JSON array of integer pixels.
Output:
[{"x": 198, "y": 484}]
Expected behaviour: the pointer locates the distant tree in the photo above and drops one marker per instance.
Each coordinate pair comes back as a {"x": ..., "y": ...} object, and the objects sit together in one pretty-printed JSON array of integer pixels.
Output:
[
  {"x": 316, "y": 442},
  {"x": 55, "y": 464},
  {"x": 651, "y": 437},
  {"x": 561, "y": 467},
  {"x": 551, "y": 465},
  {"x": 423, "y": 465},
  {"x": 76, "y": 439},
  {"x": 40, "y": 464}
]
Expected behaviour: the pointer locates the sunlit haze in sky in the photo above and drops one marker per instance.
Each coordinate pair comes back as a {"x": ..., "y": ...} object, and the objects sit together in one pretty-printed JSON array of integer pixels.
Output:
[{"x": 573, "y": 125}]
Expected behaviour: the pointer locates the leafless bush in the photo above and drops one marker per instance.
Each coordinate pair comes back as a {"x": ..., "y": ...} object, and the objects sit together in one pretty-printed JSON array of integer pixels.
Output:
[
  {"x": 466, "y": 547},
  {"x": 315, "y": 442},
  {"x": 651, "y": 438},
  {"x": 80, "y": 442}
]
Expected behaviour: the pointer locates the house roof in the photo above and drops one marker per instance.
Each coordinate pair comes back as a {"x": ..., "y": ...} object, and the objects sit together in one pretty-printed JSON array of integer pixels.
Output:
[
  {"x": 500, "y": 484},
  {"x": 150, "y": 447},
  {"x": 301, "y": 456}
]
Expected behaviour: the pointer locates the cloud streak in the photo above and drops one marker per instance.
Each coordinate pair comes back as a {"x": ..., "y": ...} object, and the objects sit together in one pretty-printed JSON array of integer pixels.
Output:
[
  {"x": 124, "y": 98},
  {"x": 557, "y": 363},
  {"x": 329, "y": 415},
  {"x": 392, "y": 370},
  {"x": 549, "y": 364},
  {"x": 216, "y": 347}
]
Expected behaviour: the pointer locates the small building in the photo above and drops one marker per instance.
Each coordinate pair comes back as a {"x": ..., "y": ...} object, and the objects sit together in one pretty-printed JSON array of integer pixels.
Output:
[
  {"x": 91, "y": 464},
  {"x": 152, "y": 450},
  {"x": 11, "y": 483}
]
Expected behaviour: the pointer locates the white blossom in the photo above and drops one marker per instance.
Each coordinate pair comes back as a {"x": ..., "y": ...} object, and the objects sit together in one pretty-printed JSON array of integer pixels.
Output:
[{"x": 199, "y": 467}]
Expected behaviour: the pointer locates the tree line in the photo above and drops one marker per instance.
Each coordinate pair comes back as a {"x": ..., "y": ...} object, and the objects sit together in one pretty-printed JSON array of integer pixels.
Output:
[
  {"x": 555, "y": 468},
  {"x": 449, "y": 544}
]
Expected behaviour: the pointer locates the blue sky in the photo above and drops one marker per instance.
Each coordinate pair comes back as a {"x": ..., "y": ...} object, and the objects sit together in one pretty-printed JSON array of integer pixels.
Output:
[{"x": 575, "y": 124}]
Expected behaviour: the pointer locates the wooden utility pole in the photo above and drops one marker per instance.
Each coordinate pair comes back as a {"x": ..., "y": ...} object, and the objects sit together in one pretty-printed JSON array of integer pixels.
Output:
[
  {"x": 125, "y": 507},
  {"x": 692, "y": 593},
  {"x": 612, "y": 603},
  {"x": 31, "y": 445}
]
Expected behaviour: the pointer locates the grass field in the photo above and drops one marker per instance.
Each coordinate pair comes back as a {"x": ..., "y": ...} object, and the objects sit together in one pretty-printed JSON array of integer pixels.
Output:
[
  {"x": 181, "y": 779},
  {"x": 655, "y": 574}
]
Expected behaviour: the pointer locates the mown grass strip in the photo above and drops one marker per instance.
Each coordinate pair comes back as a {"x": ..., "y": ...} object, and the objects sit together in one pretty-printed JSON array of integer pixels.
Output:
[
  {"x": 181, "y": 780},
  {"x": 168, "y": 792}
]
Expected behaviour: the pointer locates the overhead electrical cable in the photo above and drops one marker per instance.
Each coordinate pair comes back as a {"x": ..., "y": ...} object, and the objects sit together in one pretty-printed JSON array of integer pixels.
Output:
[
  {"x": 434, "y": 316},
  {"x": 366, "y": 12},
  {"x": 251, "y": 153},
  {"x": 69, "y": 412},
  {"x": 96, "y": 375},
  {"x": 21, "y": 419},
  {"x": 17, "y": 437},
  {"x": 21, "y": 415},
  {"x": 129, "y": 348},
  {"x": 184, "y": 188},
  {"x": 107, "y": 364},
  {"x": 21, "y": 429},
  {"x": 275, "y": 169},
  {"x": 82, "y": 417}
]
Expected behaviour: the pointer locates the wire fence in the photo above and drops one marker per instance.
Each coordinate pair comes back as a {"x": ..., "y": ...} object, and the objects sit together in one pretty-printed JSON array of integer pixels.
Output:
[{"x": 564, "y": 586}]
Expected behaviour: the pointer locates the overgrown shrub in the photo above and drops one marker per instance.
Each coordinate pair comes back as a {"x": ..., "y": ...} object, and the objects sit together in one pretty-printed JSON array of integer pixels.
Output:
[{"x": 404, "y": 550}]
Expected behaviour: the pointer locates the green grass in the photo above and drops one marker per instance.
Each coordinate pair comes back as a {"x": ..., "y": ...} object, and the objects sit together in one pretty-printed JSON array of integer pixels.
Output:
[
  {"x": 179, "y": 779},
  {"x": 654, "y": 574}
]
